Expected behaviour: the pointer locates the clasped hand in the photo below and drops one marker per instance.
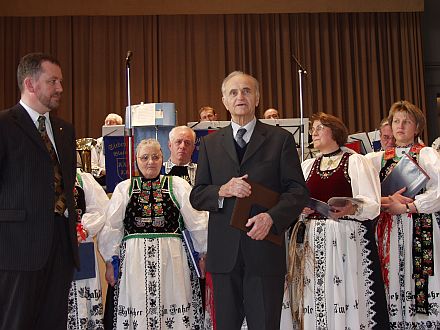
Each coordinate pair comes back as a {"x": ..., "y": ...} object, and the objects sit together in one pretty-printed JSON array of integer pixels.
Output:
[
  {"x": 236, "y": 187},
  {"x": 342, "y": 211},
  {"x": 261, "y": 223},
  {"x": 336, "y": 211},
  {"x": 395, "y": 203}
]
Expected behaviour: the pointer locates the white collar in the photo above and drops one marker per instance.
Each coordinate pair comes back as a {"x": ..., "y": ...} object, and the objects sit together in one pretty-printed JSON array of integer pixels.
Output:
[{"x": 249, "y": 129}]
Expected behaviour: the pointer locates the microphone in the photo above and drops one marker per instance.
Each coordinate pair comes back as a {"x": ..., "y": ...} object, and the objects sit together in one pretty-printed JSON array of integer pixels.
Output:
[
  {"x": 299, "y": 64},
  {"x": 128, "y": 57}
]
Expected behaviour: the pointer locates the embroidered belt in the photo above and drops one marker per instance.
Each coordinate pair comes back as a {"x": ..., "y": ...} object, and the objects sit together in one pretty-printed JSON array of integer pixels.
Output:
[
  {"x": 423, "y": 259},
  {"x": 317, "y": 216},
  {"x": 151, "y": 235}
]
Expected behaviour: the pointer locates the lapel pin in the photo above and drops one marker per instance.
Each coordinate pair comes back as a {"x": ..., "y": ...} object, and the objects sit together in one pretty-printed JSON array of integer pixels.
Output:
[{"x": 61, "y": 128}]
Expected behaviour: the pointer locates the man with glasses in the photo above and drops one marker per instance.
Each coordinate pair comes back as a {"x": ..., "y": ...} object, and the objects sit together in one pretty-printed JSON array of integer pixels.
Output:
[{"x": 387, "y": 139}]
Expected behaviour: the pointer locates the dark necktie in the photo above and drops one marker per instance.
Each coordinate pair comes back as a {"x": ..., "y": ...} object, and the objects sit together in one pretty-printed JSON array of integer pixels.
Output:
[
  {"x": 239, "y": 137},
  {"x": 60, "y": 198}
]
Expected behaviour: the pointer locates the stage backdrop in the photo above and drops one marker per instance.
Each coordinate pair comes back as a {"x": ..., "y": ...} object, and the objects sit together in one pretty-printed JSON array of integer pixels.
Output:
[{"x": 358, "y": 64}]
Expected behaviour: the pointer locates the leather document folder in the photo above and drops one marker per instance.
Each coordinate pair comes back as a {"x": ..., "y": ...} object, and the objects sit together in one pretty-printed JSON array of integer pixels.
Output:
[
  {"x": 407, "y": 173},
  {"x": 261, "y": 200}
]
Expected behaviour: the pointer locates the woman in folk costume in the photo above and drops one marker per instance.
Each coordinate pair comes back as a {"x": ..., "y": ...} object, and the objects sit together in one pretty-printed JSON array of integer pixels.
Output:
[
  {"x": 408, "y": 230},
  {"x": 85, "y": 310},
  {"x": 333, "y": 261},
  {"x": 157, "y": 286}
]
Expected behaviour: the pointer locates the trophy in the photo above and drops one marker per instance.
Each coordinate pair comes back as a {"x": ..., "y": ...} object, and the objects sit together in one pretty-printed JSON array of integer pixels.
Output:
[{"x": 84, "y": 147}]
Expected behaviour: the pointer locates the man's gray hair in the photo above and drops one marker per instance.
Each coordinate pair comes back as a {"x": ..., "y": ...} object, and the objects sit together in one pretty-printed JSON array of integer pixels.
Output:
[
  {"x": 173, "y": 132},
  {"x": 115, "y": 117},
  {"x": 240, "y": 73}
]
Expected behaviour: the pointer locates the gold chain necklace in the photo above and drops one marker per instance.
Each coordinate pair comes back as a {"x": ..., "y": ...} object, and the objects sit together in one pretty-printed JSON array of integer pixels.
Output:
[{"x": 330, "y": 162}]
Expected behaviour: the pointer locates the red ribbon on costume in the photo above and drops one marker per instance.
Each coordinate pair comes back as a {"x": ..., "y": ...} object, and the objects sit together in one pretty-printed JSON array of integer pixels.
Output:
[
  {"x": 81, "y": 232},
  {"x": 383, "y": 231},
  {"x": 209, "y": 304}
]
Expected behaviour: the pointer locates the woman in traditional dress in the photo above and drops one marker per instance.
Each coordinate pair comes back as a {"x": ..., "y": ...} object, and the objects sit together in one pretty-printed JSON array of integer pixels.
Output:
[
  {"x": 85, "y": 310},
  {"x": 334, "y": 265},
  {"x": 408, "y": 230},
  {"x": 157, "y": 286}
]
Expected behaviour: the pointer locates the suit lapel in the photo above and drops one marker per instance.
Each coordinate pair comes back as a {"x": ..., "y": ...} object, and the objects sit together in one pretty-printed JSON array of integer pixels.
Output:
[
  {"x": 59, "y": 138},
  {"x": 24, "y": 121},
  {"x": 228, "y": 143},
  {"x": 257, "y": 139}
]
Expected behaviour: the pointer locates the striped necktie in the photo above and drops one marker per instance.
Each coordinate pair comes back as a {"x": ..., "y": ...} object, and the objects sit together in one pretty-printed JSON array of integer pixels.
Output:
[
  {"x": 239, "y": 137},
  {"x": 60, "y": 198}
]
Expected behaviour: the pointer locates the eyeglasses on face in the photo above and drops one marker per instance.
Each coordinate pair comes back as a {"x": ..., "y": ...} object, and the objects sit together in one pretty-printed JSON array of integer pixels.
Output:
[
  {"x": 316, "y": 129},
  {"x": 386, "y": 137},
  {"x": 153, "y": 157}
]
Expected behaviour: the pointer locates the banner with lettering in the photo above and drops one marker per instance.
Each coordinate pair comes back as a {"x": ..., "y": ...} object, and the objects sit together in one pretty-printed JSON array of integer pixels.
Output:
[{"x": 115, "y": 161}]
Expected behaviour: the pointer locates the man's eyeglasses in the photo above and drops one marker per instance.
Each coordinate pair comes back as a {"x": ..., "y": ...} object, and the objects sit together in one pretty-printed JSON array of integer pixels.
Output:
[
  {"x": 316, "y": 129},
  {"x": 386, "y": 137},
  {"x": 153, "y": 157}
]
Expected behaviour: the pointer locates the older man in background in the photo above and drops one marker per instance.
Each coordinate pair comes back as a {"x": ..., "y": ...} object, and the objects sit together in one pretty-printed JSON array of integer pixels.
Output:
[
  {"x": 181, "y": 144},
  {"x": 386, "y": 135}
]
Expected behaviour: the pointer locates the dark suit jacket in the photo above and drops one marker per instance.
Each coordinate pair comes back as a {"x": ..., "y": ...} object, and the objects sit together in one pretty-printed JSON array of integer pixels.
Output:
[
  {"x": 27, "y": 189},
  {"x": 270, "y": 159}
]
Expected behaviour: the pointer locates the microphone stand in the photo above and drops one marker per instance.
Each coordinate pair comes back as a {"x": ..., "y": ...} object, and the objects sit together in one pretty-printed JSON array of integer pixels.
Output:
[
  {"x": 301, "y": 73},
  {"x": 128, "y": 131}
]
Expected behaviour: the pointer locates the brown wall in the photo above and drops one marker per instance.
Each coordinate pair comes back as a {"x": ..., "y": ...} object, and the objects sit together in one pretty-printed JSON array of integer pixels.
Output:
[{"x": 172, "y": 7}]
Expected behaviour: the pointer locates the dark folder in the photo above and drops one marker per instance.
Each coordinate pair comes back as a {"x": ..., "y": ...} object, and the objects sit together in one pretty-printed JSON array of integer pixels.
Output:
[
  {"x": 407, "y": 173},
  {"x": 261, "y": 200},
  {"x": 86, "y": 252}
]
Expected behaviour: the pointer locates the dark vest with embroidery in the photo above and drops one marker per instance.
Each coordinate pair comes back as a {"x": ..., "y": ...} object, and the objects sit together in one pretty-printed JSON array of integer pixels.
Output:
[
  {"x": 151, "y": 209},
  {"x": 330, "y": 183}
]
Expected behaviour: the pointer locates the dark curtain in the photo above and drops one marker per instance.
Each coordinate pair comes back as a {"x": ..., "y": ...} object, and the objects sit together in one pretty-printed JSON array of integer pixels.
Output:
[{"x": 358, "y": 64}]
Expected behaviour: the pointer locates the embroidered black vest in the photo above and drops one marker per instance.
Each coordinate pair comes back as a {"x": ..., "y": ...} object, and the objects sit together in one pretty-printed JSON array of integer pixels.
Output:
[{"x": 151, "y": 208}]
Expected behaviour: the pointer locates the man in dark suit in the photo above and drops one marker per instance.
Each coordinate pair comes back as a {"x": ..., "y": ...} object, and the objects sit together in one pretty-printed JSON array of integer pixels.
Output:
[
  {"x": 248, "y": 271},
  {"x": 38, "y": 243}
]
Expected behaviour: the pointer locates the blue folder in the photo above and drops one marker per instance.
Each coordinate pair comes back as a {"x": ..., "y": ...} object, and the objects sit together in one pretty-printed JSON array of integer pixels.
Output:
[{"x": 87, "y": 262}]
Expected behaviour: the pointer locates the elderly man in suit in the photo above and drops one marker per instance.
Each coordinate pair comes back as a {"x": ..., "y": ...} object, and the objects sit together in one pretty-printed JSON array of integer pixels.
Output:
[
  {"x": 38, "y": 240},
  {"x": 248, "y": 271}
]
